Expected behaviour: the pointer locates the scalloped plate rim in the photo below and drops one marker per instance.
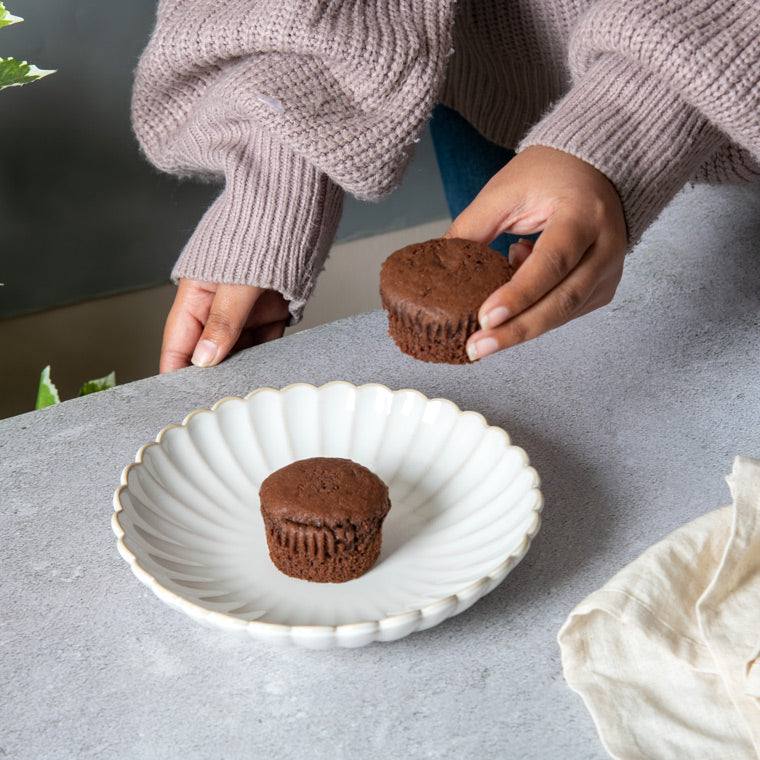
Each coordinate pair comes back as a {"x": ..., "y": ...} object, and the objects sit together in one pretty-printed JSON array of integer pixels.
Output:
[{"x": 231, "y": 622}]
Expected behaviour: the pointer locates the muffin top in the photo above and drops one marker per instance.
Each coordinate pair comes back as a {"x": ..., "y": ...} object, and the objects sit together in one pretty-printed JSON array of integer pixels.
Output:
[
  {"x": 444, "y": 279},
  {"x": 324, "y": 491}
]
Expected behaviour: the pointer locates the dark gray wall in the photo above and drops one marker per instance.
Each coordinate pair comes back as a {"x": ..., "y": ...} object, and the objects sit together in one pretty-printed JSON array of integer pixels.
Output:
[{"x": 81, "y": 214}]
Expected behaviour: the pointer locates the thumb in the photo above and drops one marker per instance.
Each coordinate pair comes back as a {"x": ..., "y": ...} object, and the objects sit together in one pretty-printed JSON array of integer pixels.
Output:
[
  {"x": 483, "y": 219},
  {"x": 229, "y": 312}
]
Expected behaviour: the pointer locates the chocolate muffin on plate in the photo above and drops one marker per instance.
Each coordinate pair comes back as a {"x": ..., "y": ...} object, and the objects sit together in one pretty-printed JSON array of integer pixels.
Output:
[
  {"x": 432, "y": 292},
  {"x": 323, "y": 518}
]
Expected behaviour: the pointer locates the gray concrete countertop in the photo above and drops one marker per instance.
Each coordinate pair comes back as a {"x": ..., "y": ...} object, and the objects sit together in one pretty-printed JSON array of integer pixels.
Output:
[{"x": 632, "y": 417}]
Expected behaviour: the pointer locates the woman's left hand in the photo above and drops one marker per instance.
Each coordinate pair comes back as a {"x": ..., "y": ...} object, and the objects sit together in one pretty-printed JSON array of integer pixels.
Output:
[
  {"x": 209, "y": 320},
  {"x": 575, "y": 265}
]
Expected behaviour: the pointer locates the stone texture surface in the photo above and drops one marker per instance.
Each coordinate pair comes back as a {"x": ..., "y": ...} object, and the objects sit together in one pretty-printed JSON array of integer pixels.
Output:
[{"x": 631, "y": 415}]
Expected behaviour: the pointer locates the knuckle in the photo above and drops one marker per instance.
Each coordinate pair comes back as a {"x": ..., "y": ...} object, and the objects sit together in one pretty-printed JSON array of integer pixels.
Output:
[
  {"x": 455, "y": 230},
  {"x": 172, "y": 359},
  {"x": 569, "y": 301},
  {"x": 606, "y": 298},
  {"x": 599, "y": 208},
  {"x": 172, "y": 354},
  {"x": 612, "y": 287},
  {"x": 518, "y": 333},
  {"x": 219, "y": 325},
  {"x": 556, "y": 262},
  {"x": 603, "y": 201},
  {"x": 619, "y": 227},
  {"x": 615, "y": 238}
]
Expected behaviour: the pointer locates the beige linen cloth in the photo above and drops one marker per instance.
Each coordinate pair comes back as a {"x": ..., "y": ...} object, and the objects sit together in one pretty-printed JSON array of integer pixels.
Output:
[{"x": 666, "y": 656}]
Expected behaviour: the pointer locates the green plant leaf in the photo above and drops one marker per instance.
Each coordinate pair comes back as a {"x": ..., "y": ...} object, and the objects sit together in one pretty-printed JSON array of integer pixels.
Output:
[
  {"x": 7, "y": 18},
  {"x": 100, "y": 384},
  {"x": 14, "y": 72},
  {"x": 47, "y": 393}
]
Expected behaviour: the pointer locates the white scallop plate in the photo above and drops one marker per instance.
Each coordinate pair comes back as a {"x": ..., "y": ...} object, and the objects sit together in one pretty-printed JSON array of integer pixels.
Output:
[{"x": 465, "y": 506}]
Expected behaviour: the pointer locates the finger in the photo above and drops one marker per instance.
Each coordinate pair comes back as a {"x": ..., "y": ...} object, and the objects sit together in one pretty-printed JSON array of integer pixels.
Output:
[
  {"x": 556, "y": 253},
  {"x": 270, "y": 307},
  {"x": 568, "y": 300},
  {"x": 604, "y": 293},
  {"x": 260, "y": 334},
  {"x": 228, "y": 315},
  {"x": 181, "y": 331},
  {"x": 483, "y": 220},
  {"x": 272, "y": 331},
  {"x": 519, "y": 251}
]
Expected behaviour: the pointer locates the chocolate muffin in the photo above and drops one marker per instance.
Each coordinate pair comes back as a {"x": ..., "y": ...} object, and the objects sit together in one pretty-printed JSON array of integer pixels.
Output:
[
  {"x": 432, "y": 292},
  {"x": 323, "y": 518}
]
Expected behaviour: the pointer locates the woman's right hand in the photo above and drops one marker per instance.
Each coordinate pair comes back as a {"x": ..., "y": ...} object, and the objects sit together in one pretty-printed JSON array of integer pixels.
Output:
[
  {"x": 575, "y": 265},
  {"x": 208, "y": 321}
]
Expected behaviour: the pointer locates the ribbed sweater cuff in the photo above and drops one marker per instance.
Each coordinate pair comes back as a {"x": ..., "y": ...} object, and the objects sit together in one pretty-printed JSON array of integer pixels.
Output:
[
  {"x": 272, "y": 225},
  {"x": 628, "y": 124}
]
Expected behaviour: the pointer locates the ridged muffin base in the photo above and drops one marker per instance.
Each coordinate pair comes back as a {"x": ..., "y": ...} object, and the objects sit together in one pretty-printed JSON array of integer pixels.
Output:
[
  {"x": 297, "y": 552},
  {"x": 439, "y": 343}
]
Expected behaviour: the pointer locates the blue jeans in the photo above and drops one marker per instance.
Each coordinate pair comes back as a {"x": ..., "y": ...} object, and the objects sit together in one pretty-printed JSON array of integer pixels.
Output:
[{"x": 466, "y": 160}]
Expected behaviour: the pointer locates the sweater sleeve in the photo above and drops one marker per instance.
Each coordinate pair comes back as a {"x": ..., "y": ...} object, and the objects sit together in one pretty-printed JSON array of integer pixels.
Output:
[
  {"x": 289, "y": 103},
  {"x": 660, "y": 88},
  {"x": 271, "y": 226}
]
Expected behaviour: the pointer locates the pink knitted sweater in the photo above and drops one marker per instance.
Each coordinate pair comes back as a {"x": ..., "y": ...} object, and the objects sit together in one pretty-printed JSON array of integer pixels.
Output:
[{"x": 293, "y": 102}]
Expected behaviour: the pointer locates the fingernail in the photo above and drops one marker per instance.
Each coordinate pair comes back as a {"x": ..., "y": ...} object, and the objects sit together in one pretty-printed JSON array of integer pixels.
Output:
[
  {"x": 480, "y": 348},
  {"x": 205, "y": 353},
  {"x": 526, "y": 241},
  {"x": 494, "y": 318},
  {"x": 519, "y": 250},
  {"x": 521, "y": 244}
]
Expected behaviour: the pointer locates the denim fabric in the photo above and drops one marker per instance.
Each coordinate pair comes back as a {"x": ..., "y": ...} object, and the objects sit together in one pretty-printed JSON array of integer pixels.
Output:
[{"x": 466, "y": 161}]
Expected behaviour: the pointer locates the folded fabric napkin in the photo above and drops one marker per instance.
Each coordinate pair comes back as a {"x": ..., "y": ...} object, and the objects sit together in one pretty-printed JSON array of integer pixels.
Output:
[{"x": 666, "y": 656}]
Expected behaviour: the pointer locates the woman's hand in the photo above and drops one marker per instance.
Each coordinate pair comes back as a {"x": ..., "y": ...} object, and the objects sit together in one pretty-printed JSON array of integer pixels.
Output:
[
  {"x": 575, "y": 265},
  {"x": 207, "y": 321}
]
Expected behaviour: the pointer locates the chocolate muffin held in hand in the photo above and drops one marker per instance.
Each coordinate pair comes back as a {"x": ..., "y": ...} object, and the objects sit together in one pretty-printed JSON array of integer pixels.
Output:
[
  {"x": 432, "y": 292},
  {"x": 323, "y": 518}
]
